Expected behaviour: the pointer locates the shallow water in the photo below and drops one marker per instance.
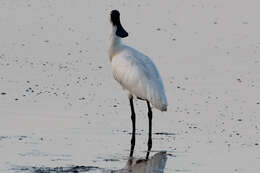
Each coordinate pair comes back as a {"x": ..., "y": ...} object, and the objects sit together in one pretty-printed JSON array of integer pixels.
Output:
[
  {"x": 155, "y": 164},
  {"x": 60, "y": 108}
]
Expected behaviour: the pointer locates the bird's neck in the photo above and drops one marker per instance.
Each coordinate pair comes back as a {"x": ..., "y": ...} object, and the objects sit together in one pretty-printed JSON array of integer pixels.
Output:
[{"x": 115, "y": 44}]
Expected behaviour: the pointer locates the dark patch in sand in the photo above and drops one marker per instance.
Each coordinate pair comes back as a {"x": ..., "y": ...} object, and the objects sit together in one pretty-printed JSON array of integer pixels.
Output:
[
  {"x": 72, "y": 169},
  {"x": 164, "y": 133},
  {"x": 171, "y": 155},
  {"x": 3, "y": 137},
  {"x": 111, "y": 160}
]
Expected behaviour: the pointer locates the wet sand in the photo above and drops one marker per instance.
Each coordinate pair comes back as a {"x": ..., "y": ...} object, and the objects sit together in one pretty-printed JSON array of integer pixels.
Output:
[{"x": 61, "y": 110}]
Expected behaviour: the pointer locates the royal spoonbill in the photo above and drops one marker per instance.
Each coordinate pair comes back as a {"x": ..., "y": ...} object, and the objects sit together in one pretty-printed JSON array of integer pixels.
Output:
[{"x": 137, "y": 75}]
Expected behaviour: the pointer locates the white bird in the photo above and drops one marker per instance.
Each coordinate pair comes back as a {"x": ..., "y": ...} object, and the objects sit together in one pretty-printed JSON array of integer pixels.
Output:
[{"x": 137, "y": 75}]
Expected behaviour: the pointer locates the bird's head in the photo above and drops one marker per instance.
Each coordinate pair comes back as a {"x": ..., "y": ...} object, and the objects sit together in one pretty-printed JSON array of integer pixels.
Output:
[{"x": 115, "y": 20}]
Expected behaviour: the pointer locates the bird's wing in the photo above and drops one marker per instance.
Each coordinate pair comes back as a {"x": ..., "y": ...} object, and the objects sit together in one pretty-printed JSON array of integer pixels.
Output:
[{"x": 138, "y": 74}]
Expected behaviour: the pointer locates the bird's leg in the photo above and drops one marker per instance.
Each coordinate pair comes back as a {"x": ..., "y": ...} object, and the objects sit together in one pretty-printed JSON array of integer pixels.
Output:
[
  {"x": 150, "y": 116},
  {"x": 133, "y": 128}
]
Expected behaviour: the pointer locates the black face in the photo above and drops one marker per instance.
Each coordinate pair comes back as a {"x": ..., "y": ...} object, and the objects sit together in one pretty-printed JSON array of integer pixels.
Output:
[{"x": 115, "y": 20}]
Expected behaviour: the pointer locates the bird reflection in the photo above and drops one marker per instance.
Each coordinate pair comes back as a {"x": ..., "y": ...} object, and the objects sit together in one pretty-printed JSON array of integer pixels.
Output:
[{"x": 155, "y": 164}]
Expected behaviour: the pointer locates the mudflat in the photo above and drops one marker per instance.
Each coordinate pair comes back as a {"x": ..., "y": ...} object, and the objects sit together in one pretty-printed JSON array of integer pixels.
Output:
[{"x": 61, "y": 110}]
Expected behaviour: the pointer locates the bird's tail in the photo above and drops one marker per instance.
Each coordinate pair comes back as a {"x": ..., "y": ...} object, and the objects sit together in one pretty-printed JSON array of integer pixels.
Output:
[{"x": 160, "y": 102}]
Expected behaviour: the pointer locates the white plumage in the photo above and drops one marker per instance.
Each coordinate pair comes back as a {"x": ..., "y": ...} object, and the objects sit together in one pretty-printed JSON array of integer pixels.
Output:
[{"x": 137, "y": 74}]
